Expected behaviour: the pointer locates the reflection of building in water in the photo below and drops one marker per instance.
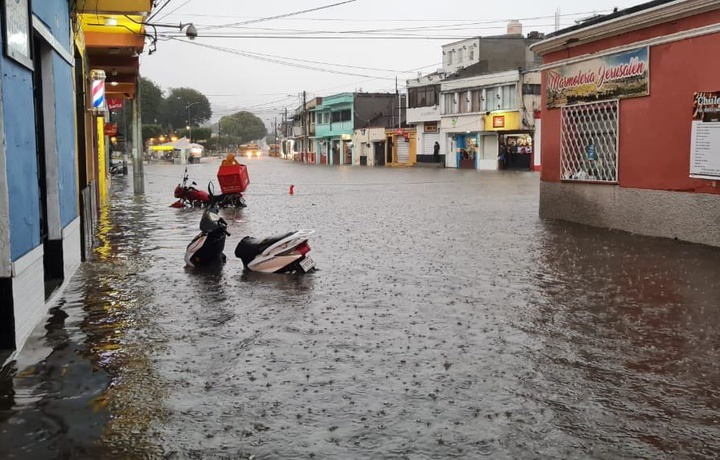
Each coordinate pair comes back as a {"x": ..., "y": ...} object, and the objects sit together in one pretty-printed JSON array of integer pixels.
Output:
[{"x": 625, "y": 157}]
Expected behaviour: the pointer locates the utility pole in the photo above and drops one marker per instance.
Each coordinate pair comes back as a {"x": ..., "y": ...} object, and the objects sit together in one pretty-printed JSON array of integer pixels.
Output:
[
  {"x": 275, "y": 124},
  {"x": 286, "y": 124},
  {"x": 397, "y": 91},
  {"x": 306, "y": 141},
  {"x": 137, "y": 152}
]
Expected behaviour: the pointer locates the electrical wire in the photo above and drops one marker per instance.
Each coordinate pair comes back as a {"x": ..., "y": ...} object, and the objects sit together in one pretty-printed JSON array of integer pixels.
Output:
[{"x": 281, "y": 16}]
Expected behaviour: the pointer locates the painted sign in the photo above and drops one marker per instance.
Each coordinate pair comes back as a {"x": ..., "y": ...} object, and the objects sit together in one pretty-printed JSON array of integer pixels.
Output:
[
  {"x": 502, "y": 121},
  {"x": 617, "y": 76},
  {"x": 111, "y": 129},
  {"x": 16, "y": 19},
  {"x": 705, "y": 138},
  {"x": 114, "y": 103}
]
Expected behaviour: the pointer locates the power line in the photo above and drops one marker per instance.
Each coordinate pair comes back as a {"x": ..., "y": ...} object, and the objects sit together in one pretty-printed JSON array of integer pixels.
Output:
[
  {"x": 171, "y": 12},
  {"x": 281, "y": 16},
  {"x": 275, "y": 61}
]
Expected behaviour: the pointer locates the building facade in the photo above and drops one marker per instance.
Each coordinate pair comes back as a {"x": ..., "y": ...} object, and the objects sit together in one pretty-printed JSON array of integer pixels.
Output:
[
  {"x": 630, "y": 116},
  {"x": 54, "y": 172},
  {"x": 488, "y": 120},
  {"x": 340, "y": 115}
]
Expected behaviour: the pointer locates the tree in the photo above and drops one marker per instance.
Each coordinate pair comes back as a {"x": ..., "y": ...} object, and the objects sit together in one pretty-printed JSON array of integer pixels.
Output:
[
  {"x": 243, "y": 125},
  {"x": 175, "y": 110},
  {"x": 198, "y": 134},
  {"x": 149, "y": 131},
  {"x": 151, "y": 101}
]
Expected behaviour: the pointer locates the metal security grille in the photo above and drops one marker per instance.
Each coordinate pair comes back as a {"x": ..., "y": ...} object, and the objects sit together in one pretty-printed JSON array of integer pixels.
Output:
[{"x": 589, "y": 145}]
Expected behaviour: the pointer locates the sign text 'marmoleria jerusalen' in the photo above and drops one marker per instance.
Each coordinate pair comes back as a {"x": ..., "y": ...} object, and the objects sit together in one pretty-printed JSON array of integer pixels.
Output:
[{"x": 616, "y": 76}]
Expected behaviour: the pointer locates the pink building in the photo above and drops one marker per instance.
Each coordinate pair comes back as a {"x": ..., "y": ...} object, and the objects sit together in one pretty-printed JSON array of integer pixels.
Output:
[{"x": 631, "y": 121}]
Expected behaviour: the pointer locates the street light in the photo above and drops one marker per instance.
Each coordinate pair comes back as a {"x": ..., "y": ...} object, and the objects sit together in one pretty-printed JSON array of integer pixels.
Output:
[{"x": 189, "y": 121}]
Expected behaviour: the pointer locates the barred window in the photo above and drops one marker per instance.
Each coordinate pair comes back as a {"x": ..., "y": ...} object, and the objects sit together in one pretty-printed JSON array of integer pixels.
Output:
[{"x": 589, "y": 142}]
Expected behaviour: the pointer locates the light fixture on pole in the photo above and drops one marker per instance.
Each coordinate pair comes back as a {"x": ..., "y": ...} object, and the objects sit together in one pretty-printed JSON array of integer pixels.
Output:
[{"x": 189, "y": 125}]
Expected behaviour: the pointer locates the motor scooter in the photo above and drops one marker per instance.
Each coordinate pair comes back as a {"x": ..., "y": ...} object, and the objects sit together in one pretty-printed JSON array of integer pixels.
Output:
[
  {"x": 286, "y": 253},
  {"x": 208, "y": 245},
  {"x": 190, "y": 195}
]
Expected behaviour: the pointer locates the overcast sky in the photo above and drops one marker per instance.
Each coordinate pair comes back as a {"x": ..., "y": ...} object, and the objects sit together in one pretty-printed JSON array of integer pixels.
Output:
[{"x": 361, "y": 44}]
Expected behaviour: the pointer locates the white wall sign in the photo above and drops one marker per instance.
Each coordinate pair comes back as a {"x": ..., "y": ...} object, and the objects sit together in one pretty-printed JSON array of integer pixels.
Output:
[
  {"x": 705, "y": 144},
  {"x": 16, "y": 28}
]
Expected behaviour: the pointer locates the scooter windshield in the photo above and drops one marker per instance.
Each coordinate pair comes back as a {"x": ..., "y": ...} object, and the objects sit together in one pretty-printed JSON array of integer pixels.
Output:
[{"x": 210, "y": 221}]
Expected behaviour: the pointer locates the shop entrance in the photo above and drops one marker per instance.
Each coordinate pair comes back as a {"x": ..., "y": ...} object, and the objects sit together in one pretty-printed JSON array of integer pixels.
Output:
[
  {"x": 53, "y": 264},
  {"x": 519, "y": 147},
  {"x": 467, "y": 151},
  {"x": 379, "y": 152}
]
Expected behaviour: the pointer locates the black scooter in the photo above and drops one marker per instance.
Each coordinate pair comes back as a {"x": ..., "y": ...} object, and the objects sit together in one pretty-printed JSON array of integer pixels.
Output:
[{"x": 208, "y": 245}]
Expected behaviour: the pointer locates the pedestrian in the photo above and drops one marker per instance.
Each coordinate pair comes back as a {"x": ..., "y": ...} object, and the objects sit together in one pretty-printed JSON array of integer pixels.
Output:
[
  {"x": 503, "y": 155},
  {"x": 436, "y": 152}
]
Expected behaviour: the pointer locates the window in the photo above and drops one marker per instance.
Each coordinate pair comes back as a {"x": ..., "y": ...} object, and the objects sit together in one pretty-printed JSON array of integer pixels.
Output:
[
  {"x": 589, "y": 142},
  {"x": 464, "y": 102},
  {"x": 472, "y": 55},
  {"x": 449, "y": 103},
  {"x": 532, "y": 89},
  {"x": 501, "y": 98},
  {"x": 492, "y": 99},
  {"x": 461, "y": 56},
  {"x": 450, "y": 57},
  {"x": 426, "y": 96},
  {"x": 509, "y": 97},
  {"x": 476, "y": 96}
]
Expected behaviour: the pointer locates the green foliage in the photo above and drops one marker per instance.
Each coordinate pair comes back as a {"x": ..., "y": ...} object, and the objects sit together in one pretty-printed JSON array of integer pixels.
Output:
[
  {"x": 175, "y": 108},
  {"x": 151, "y": 102},
  {"x": 198, "y": 134},
  {"x": 244, "y": 126},
  {"x": 149, "y": 131}
]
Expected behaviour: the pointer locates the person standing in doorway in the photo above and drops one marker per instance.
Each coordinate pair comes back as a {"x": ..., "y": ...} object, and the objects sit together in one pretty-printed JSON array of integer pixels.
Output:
[
  {"x": 436, "y": 152},
  {"x": 503, "y": 157}
]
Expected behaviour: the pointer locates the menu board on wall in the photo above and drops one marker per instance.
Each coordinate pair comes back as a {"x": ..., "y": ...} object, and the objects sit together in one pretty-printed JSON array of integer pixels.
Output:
[
  {"x": 705, "y": 144},
  {"x": 16, "y": 25}
]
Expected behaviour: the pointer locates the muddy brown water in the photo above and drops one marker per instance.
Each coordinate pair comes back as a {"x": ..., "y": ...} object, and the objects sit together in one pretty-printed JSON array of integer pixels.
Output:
[{"x": 446, "y": 320}]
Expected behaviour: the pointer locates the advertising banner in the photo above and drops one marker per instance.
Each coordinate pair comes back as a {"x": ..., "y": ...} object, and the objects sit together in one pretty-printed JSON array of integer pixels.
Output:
[
  {"x": 616, "y": 76},
  {"x": 705, "y": 139}
]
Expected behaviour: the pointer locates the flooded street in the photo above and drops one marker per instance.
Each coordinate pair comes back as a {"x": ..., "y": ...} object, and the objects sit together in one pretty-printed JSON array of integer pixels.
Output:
[{"x": 446, "y": 320}]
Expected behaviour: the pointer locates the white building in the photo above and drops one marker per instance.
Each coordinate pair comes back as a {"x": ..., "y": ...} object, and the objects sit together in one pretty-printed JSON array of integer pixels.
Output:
[
  {"x": 424, "y": 112},
  {"x": 481, "y": 112}
]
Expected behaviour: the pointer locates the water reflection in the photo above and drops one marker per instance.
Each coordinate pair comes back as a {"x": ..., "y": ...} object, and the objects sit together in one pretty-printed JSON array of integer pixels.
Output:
[{"x": 627, "y": 329}]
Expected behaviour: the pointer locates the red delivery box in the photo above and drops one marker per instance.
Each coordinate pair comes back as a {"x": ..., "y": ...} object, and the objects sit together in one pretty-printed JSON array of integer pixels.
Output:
[{"x": 233, "y": 176}]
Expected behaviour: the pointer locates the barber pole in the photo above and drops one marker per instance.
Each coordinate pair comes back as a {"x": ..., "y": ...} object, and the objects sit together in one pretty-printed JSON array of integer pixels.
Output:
[{"x": 98, "y": 92}]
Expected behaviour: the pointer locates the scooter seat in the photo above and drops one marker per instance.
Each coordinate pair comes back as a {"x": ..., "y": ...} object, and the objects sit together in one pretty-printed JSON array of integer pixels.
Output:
[{"x": 249, "y": 247}]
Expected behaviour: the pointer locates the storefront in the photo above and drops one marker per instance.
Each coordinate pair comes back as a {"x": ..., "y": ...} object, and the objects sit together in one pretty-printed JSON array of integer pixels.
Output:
[
  {"x": 401, "y": 146},
  {"x": 512, "y": 147},
  {"x": 466, "y": 146},
  {"x": 463, "y": 141},
  {"x": 625, "y": 141}
]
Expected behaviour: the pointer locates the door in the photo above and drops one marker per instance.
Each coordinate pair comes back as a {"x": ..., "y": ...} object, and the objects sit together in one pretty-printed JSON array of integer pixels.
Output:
[
  {"x": 379, "y": 153},
  {"x": 389, "y": 150},
  {"x": 53, "y": 265},
  {"x": 403, "y": 150}
]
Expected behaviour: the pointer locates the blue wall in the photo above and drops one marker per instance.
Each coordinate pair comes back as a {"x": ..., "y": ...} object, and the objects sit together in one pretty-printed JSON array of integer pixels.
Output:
[
  {"x": 19, "y": 121},
  {"x": 56, "y": 16},
  {"x": 66, "y": 139}
]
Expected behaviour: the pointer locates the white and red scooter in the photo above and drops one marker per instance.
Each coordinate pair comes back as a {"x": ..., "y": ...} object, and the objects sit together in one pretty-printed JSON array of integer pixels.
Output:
[{"x": 278, "y": 254}]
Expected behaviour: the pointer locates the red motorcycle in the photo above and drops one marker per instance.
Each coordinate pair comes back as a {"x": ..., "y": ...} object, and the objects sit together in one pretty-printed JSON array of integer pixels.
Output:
[{"x": 190, "y": 195}]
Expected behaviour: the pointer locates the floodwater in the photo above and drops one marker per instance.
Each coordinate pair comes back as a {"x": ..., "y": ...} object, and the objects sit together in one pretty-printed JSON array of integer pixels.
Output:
[{"x": 446, "y": 320}]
